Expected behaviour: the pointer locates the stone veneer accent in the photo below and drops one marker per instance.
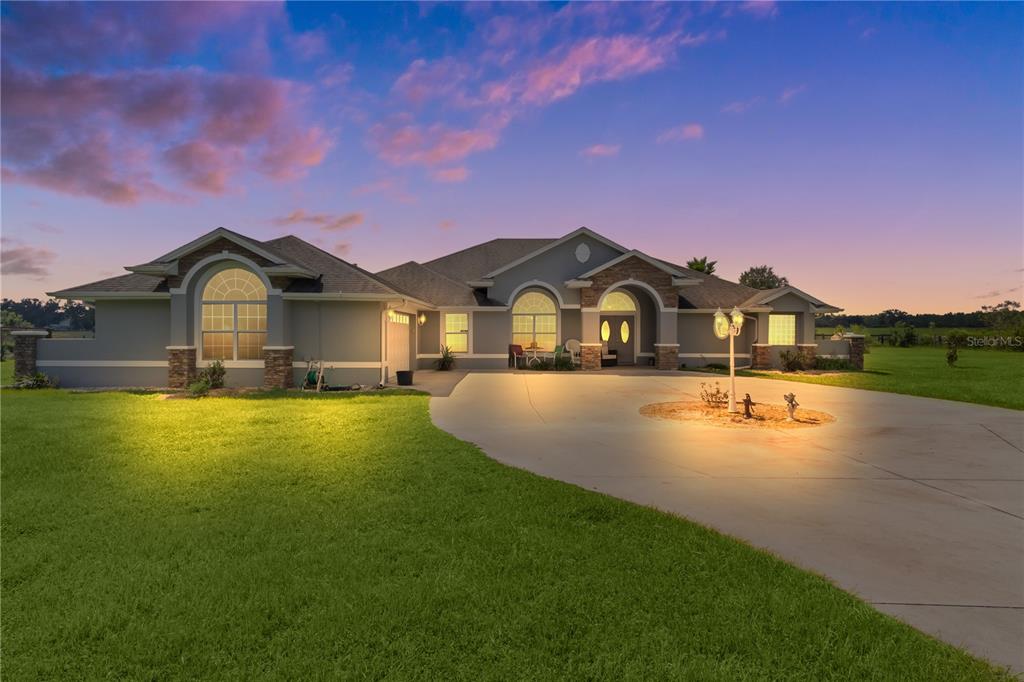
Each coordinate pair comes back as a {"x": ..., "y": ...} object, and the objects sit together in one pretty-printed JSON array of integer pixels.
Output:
[
  {"x": 631, "y": 268},
  {"x": 807, "y": 352},
  {"x": 25, "y": 350},
  {"x": 666, "y": 356},
  {"x": 590, "y": 356},
  {"x": 760, "y": 356},
  {"x": 277, "y": 367},
  {"x": 181, "y": 366},
  {"x": 856, "y": 350}
]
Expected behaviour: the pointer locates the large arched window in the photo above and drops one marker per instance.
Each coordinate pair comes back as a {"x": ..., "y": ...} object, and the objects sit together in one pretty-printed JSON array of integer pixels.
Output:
[
  {"x": 618, "y": 301},
  {"x": 534, "y": 321},
  {"x": 234, "y": 316}
]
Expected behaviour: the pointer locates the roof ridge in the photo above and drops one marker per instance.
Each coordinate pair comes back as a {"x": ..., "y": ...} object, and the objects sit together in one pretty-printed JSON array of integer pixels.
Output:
[
  {"x": 444, "y": 276},
  {"x": 489, "y": 241}
]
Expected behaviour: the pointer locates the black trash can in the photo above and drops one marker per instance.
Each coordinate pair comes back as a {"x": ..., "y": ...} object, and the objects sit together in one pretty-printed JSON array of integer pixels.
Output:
[{"x": 404, "y": 377}]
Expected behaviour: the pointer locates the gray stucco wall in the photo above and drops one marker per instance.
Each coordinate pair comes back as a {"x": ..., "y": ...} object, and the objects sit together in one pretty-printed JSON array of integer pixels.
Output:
[
  {"x": 125, "y": 330},
  {"x": 108, "y": 377},
  {"x": 335, "y": 330},
  {"x": 429, "y": 335},
  {"x": 492, "y": 331},
  {"x": 838, "y": 348},
  {"x": 572, "y": 324},
  {"x": 554, "y": 267},
  {"x": 697, "y": 336},
  {"x": 791, "y": 303}
]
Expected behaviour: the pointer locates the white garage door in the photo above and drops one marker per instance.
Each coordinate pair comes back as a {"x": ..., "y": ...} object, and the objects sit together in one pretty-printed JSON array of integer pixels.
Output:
[{"x": 398, "y": 342}]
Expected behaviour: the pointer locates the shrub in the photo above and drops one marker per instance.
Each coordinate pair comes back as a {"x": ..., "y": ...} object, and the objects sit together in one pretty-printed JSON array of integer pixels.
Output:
[
  {"x": 716, "y": 365},
  {"x": 715, "y": 397},
  {"x": 790, "y": 360},
  {"x": 36, "y": 380},
  {"x": 831, "y": 364},
  {"x": 447, "y": 359},
  {"x": 903, "y": 335},
  {"x": 199, "y": 388},
  {"x": 954, "y": 342},
  {"x": 563, "y": 363},
  {"x": 542, "y": 364},
  {"x": 213, "y": 374}
]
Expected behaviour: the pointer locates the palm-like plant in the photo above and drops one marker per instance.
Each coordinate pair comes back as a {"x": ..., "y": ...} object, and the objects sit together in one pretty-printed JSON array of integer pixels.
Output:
[{"x": 702, "y": 264}]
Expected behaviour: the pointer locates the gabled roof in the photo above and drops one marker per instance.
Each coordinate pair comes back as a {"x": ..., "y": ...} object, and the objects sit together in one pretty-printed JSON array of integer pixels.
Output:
[
  {"x": 582, "y": 231},
  {"x": 660, "y": 264},
  {"x": 308, "y": 269},
  {"x": 433, "y": 287},
  {"x": 766, "y": 296},
  {"x": 474, "y": 262}
]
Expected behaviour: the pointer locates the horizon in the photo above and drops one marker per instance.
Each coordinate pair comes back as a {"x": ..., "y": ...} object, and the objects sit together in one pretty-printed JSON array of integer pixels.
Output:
[{"x": 869, "y": 153}]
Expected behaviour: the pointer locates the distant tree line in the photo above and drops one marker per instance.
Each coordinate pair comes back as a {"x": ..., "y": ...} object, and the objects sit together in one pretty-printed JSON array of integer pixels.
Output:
[
  {"x": 31, "y": 312},
  {"x": 1000, "y": 316}
]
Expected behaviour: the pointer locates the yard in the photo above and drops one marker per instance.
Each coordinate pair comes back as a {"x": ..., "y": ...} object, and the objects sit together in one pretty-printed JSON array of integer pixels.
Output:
[
  {"x": 295, "y": 537},
  {"x": 986, "y": 377}
]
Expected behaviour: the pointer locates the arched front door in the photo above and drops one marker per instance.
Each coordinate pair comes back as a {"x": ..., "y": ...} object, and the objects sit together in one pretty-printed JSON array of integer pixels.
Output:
[{"x": 619, "y": 317}]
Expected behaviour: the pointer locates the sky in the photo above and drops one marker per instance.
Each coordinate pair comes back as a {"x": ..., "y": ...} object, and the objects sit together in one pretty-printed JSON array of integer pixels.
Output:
[{"x": 872, "y": 153}]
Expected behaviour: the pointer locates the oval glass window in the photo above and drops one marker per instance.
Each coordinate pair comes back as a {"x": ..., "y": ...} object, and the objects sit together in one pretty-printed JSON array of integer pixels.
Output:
[
  {"x": 624, "y": 331},
  {"x": 606, "y": 331}
]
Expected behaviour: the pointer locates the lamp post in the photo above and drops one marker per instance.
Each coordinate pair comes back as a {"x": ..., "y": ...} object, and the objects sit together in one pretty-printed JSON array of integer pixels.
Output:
[{"x": 730, "y": 326}]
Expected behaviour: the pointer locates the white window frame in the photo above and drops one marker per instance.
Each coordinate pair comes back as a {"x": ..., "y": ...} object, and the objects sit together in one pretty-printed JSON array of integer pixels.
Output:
[
  {"x": 557, "y": 314},
  {"x": 778, "y": 316},
  {"x": 200, "y": 332},
  {"x": 443, "y": 341}
]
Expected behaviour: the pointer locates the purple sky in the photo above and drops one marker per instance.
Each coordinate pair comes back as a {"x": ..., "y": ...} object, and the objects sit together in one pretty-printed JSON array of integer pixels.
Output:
[{"x": 870, "y": 152}]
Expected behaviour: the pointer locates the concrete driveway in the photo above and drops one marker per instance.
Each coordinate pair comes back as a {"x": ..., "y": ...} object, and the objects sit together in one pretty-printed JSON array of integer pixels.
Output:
[{"x": 914, "y": 504}]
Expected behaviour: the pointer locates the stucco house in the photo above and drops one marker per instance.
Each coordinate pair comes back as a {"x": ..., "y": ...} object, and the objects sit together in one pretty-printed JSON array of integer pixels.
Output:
[{"x": 265, "y": 308}]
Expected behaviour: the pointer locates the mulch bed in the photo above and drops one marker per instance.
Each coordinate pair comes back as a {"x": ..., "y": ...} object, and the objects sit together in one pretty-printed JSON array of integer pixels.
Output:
[{"x": 765, "y": 415}]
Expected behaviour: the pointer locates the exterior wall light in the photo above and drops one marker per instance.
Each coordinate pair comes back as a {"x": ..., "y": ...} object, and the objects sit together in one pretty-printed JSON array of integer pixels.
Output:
[
  {"x": 421, "y": 319},
  {"x": 729, "y": 326}
]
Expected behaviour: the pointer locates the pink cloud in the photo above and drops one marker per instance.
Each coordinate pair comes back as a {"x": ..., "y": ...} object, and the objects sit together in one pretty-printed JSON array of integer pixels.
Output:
[
  {"x": 334, "y": 75},
  {"x": 686, "y": 131},
  {"x": 325, "y": 221},
  {"x": 447, "y": 225},
  {"x": 597, "y": 150},
  {"x": 762, "y": 9},
  {"x": 18, "y": 258},
  {"x": 791, "y": 92},
  {"x": 457, "y": 174},
  {"x": 410, "y": 144},
  {"x": 120, "y": 130},
  {"x": 442, "y": 79},
  {"x": 309, "y": 45},
  {"x": 739, "y": 106},
  {"x": 342, "y": 249}
]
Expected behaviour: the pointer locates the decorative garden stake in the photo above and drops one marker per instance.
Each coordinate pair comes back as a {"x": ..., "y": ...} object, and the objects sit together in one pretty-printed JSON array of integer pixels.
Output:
[
  {"x": 729, "y": 326},
  {"x": 791, "y": 405},
  {"x": 748, "y": 406}
]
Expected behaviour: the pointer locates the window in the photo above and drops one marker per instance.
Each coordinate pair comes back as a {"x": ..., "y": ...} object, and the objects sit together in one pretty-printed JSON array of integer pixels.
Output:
[
  {"x": 606, "y": 331},
  {"x": 397, "y": 318},
  {"x": 618, "y": 301},
  {"x": 234, "y": 324},
  {"x": 535, "y": 321},
  {"x": 624, "y": 331},
  {"x": 456, "y": 332},
  {"x": 782, "y": 330}
]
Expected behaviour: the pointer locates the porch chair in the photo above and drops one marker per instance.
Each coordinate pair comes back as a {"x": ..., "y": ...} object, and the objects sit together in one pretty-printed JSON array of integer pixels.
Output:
[
  {"x": 572, "y": 346},
  {"x": 516, "y": 354}
]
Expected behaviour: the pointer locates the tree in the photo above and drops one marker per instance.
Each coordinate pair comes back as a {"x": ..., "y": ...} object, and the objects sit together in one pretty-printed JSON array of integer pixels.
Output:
[
  {"x": 1002, "y": 315},
  {"x": 762, "y": 277},
  {"x": 889, "y": 318},
  {"x": 702, "y": 265},
  {"x": 9, "y": 320}
]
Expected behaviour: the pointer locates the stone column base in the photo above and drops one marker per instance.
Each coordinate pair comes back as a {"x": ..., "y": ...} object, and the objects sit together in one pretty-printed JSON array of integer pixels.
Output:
[
  {"x": 666, "y": 356},
  {"x": 181, "y": 366},
  {"x": 807, "y": 352},
  {"x": 277, "y": 367},
  {"x": 25, "y": 341},
  {"x": 760, "y": 356},
  {"x": 856, "y": 350},
  {"x": 590, "y": 356}
]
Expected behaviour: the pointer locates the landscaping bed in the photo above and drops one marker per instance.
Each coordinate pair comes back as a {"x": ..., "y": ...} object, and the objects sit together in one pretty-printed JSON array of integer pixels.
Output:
[{"x": 764, "y": 415}]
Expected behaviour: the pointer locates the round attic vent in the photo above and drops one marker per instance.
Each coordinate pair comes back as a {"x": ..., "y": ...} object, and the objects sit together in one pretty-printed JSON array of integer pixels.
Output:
[{"x": 583, "y": 253}]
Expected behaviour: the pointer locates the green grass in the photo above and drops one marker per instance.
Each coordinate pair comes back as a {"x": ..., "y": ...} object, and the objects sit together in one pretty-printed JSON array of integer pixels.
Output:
[
  {"x": 6, "y": 372},
  {"x": 986, "y": 377},
  {"x": 312, "y": 538}
]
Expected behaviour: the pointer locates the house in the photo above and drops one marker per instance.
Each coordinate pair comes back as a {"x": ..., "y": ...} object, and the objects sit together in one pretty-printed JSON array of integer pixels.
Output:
[{"x": 265, "y": 308}]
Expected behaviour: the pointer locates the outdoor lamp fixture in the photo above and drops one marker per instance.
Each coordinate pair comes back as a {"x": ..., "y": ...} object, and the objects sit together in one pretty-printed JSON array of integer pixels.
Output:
[
  {"x": 421, "y": 319},
  {"x": 729, "y": 326}
]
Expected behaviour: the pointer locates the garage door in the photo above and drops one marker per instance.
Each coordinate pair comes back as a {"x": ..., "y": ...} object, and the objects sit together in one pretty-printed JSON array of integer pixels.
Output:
[{"x": 398, "y": 342}]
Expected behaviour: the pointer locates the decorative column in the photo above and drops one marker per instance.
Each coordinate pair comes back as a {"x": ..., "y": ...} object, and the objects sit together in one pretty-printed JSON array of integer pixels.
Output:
[
  {"x": 666, "y": 356},
  {"x": 277, "y": 367},
  {"x": 856, "y": 350},
  {"x": 25, "y": 341},
  {"x": 590, "y": 356},
  {"x": 181, "y": 366},
  {"x": 807, "y": 352},
  {"x": 760, "y": 356}
]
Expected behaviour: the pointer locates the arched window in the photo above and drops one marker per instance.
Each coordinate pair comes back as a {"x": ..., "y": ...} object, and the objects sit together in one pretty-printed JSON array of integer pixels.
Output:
[
  {"x": 618, "y": 301},
  {"x": 534, "y": 321},
  {"x": 234, "y": 316}
]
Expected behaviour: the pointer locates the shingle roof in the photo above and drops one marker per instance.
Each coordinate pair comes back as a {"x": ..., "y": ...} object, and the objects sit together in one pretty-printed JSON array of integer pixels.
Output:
[
  {"x": 476, "y": 261},
  {"x": 713, "y": 292},
  {"x": 130, "y": 283}
]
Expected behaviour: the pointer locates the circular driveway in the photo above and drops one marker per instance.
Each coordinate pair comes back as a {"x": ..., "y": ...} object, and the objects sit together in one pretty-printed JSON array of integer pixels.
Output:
[{"x": 914, "y": 504}]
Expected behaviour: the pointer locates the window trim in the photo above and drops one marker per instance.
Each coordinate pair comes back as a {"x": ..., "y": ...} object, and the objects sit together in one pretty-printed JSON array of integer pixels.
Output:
[
  {"x": 199, "y": 302},
  {"x": 796, "y": 329},
  {"x": 443, "y": 341},
  {"x": 558, "y": 314}
]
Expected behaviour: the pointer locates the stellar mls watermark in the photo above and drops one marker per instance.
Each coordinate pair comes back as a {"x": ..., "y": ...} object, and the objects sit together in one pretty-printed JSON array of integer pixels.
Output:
[{"x": 995, "y": 341}]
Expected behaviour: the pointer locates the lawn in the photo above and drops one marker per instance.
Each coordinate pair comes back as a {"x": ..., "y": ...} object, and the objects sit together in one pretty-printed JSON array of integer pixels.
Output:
[
  {"x": 316, "y": 537},
  {"x": 987, "y": 377},
  {"x": 6, "y": 372}
]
